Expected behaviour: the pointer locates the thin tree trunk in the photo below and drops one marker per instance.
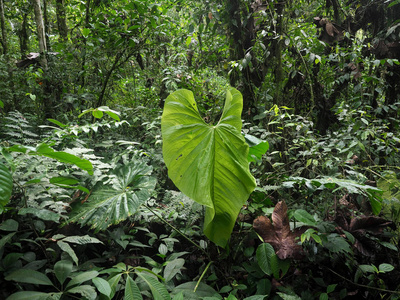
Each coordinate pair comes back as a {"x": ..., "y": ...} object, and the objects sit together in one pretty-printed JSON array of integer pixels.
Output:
[
  {"x": 46, "y": 25},
  {"x": 47, "y": 108},
  {"x": 40, "y": 33},
  {"x": 278, "y": 54},
  {"x": 87, "y": 19},
  {"x": 117, "y": 63},
  {"x": 23, "y": 36},
  {"x": 61, "y": 21},
  {"x": 3, "y": 28}
]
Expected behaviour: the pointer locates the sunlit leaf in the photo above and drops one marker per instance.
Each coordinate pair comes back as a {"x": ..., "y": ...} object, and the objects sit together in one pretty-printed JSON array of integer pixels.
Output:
[
  {"x": 64, "y": 157},
  {"x": 208, "y": 162}
]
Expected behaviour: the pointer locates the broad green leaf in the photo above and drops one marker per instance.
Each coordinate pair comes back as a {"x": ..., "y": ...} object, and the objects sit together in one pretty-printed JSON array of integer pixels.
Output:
[
  {"x": 68, "y": 249},
  {"x": 57, "y": 123},
  {"x": 384, "y": 268},
  {"x": 264, "y": 253},
  {"x": 41, "y": 213},
  {"x": 303, "y": 216},
  {"x": 31, "y": 295},
  {"x": 187, "y": 289},
  {"x": 368, "y": 268},
  {"x": 62, "y": 269},
  {"x": 394, "y": 3},
  {"x": 323, "y": 296},
  {"x": 336, "y": 243},
  {"x": 288, "y": 297},
  {"x": 5, "y": 239},
  {"x": 172, "y": 268},
  {"x": 112, "y": 113},
  {"x": 97, "y": 114},
  {"x": 87, "y": 291},
  {"x": 331, "y": 288},
  {"x": 158, "y": 290},
  {"x": 82, "y": 277},
  {"x": 6, "y": 185},
  {"x": 64, "y": 157},
  {"x": 85, "y": 32},
  {"x": 67, "y": 183},
  {"x": 102, "y": 286},
  {"x": 275, "y": 268},
  {"x": 46, "y": 150},
  {"x": 178, "y": 296},
  {"x": 389, "y": 245},
  {"x": 132, "y": 291},
  {"x": 113, "y": 203},
  {"x": 208, "y": 162},
  {"x": 82, "y": 240},
  {"x": 9, "y": 225},
  {"x": 29, "y": 276},
  {"x": 284, "y": 265},
  {"x": 113, "y": 281},
  {"x": 61, "y": 180},
  {"x": 257, "y": 147}
]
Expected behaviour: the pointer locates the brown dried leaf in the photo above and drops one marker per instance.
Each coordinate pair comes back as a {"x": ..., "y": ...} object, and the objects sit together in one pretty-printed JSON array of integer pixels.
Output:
[
  {"x": 281, "y": 220},
  {"x": 265, "y": 229},
  {"x": 372, "y": 224},
  {"x": 278, "y": 234}
]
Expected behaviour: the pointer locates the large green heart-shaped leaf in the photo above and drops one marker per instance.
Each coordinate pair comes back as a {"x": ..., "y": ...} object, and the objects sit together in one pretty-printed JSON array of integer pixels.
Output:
[
  {"x": 116, "y": 201},
  {"x": 208, "y": 162}
]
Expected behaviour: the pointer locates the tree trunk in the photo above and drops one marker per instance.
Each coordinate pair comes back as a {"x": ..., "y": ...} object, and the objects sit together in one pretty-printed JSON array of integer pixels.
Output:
[
  {"x": 23, "y": 36},
  {"x": 3, "y": 28},
  {"x": 87, "y": 19},
  {"x": 46, "y": 25},
  {"x": 241, "y": 40},
  {"x": 47, "y": 103},
  {"x": 40, "y": 33},
  {"x": 277, "y": 46},
  {"x": 61, "y": 21},
  {"x": 118, "y": 61}
]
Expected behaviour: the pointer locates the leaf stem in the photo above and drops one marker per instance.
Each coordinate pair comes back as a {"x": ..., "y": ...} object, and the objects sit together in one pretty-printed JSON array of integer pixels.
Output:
[{"x": 202, "y": 275}]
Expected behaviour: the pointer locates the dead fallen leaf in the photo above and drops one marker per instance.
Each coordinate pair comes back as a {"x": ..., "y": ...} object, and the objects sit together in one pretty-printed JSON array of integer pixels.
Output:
[{"x": 278, "y": 233}]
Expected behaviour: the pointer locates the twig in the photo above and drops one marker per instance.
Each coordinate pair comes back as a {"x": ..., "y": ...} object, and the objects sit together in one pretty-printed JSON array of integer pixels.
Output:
[{"x": 363, "y": 285}]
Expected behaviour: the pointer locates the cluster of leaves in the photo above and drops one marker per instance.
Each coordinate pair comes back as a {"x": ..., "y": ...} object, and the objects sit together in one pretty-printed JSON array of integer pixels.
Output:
[{"x": 154, "y": 251}]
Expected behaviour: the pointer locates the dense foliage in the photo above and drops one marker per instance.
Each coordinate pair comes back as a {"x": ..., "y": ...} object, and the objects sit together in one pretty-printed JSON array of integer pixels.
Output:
[{"x": 236, "y": 149}]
